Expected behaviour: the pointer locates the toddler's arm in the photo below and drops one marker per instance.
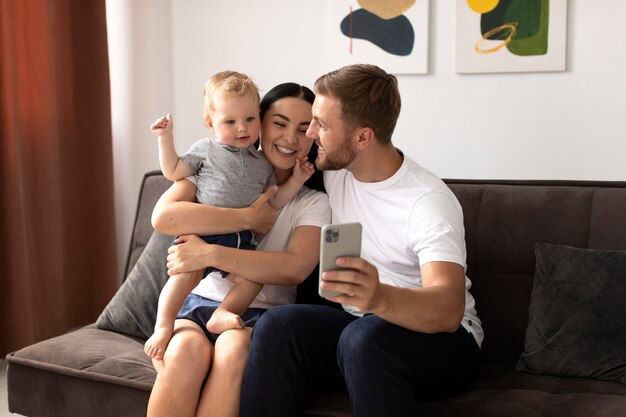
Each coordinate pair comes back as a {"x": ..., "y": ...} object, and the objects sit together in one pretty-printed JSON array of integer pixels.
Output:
[
  {"x": 173, "y": 168},
  {"x": 302, "y": 171}
]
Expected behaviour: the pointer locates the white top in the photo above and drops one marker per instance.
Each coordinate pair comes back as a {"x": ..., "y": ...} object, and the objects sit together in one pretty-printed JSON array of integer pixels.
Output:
[
  {"x": 408, "y": 220},
  {"x": 307, "y": 208}
]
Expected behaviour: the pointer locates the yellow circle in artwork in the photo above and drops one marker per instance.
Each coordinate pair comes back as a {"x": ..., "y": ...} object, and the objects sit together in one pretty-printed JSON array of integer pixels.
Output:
[{"x": 482, "y": 6}]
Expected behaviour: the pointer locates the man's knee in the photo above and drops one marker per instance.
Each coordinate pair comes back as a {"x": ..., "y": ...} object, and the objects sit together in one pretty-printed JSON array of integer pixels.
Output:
[
  {"x": 281, "y": 322},
  {"x": 287, "y": 330},
  {"x": 271, "y": 331},
  {"x": 361, "y": 340}
]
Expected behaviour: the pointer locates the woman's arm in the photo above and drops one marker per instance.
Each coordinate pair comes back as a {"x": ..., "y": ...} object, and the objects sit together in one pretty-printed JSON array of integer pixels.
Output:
[
  {"x": 290, "y": 267},
  {"x": 177, "y": 213}
]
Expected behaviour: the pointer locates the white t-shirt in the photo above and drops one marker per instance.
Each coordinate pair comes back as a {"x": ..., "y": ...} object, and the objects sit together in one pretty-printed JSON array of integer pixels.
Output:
[
  {"x": 408, "y": 220},
  {"x": 307, "y": 208}
]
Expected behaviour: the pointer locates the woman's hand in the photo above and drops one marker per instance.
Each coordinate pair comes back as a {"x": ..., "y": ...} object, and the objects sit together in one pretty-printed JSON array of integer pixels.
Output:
[
  {"x": 189, "y": 254},
  {"x": 262, "y": 215}
]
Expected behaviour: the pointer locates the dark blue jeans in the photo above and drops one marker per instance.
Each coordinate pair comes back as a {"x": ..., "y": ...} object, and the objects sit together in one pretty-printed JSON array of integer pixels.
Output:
[{"x": 386, "y": 369}]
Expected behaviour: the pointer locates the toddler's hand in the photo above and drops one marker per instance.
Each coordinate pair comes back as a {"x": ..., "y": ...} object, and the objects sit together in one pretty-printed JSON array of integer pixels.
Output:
[
  {"x": 303, "y": 170},
  {"x": 163, "y": 125}
]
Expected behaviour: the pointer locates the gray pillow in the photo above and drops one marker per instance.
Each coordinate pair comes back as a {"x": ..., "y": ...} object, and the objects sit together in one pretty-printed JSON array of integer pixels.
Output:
[
  {"x": 132, "y": 310},
  {"x": 577, "y": 314}
]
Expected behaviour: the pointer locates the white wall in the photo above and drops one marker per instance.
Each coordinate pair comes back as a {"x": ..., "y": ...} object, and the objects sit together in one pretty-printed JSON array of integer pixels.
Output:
[
  {"x": 562, "y": 125},
  {"x": 140, "y": 45}
]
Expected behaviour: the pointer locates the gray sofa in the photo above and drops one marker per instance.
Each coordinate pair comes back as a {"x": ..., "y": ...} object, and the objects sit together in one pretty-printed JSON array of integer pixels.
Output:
[{"x": 534, "y": 363}]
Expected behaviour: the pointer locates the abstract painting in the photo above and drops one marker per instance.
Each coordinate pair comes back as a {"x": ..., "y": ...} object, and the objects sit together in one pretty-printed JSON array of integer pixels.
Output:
[
  {"x": 392, "y": 34},
  {"x": 510, "y": 35}
]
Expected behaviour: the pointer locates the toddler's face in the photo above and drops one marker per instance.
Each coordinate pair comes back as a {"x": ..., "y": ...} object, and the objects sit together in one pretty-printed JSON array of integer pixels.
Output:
[{"x": 235, "y": 119}]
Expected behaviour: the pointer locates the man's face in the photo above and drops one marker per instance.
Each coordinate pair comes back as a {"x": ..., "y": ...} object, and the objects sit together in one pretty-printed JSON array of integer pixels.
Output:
[{"x": 335, "y": 141}]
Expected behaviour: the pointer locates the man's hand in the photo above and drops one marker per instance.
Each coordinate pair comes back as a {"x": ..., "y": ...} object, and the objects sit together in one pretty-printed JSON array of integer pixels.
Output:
[
  {"x": 262, "y": 214},
  {"x": 360, "y": 283},
  {"x": 188, "y": 255}
]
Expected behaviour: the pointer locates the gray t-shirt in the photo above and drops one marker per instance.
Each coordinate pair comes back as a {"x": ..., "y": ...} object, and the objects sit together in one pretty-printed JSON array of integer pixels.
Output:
[{"x": 227, "y": 176}]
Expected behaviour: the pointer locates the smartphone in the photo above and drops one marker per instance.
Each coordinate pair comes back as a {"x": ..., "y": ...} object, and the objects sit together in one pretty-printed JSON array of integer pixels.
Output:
[{"x": 337, "y": 240}]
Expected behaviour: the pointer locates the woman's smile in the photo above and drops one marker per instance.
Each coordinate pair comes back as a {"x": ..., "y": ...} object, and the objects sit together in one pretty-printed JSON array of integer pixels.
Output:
[{"x": 285, "y": 151}]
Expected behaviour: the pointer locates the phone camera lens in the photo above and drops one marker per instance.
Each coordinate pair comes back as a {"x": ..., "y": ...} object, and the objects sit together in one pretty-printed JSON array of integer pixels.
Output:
[{"x": 332, "y": 235}]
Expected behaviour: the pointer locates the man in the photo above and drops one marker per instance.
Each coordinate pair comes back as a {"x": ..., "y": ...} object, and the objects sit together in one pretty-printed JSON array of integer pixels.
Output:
[{"x": 408, "y": 331}]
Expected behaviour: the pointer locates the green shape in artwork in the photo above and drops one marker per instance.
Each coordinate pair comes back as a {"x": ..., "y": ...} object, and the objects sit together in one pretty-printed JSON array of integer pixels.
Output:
[
  {"x": 532, "y": 35},
  {"x": 527, "y": 14}
]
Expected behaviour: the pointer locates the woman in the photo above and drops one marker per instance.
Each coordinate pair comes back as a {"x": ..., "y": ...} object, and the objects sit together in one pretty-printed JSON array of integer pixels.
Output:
[{"x": 285, "y": 257}]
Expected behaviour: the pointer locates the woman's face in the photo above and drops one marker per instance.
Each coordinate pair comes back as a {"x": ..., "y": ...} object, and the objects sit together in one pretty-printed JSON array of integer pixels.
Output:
[{"x": 283, "y": 132}]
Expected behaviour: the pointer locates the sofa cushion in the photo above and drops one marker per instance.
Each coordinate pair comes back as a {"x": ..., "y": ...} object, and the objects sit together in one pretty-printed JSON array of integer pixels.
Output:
[
  {"x": 501, "y": 391},
  {"x": 576, "y": 325},
  {"x": 132, "y": 311},
  {"x": 87, "y": 372}
]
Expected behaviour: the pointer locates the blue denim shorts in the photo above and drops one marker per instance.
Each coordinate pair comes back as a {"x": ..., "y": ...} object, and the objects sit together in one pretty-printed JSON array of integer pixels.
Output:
[
  {"x": 239, "y": 240},
  {"x": 199, "y": 310}
]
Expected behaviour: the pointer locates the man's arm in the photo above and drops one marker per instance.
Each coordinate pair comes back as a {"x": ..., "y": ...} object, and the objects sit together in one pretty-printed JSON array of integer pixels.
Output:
[{"x": 437, "y": 307}]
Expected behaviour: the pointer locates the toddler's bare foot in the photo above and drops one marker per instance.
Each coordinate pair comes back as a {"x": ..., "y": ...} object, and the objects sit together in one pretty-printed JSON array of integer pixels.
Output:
[
  {"x": 156, "y": 344},
  {"x": 223, "y": 320}
]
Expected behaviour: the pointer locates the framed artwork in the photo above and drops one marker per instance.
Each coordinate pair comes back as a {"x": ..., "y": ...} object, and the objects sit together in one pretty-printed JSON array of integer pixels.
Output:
[
  {"x": 392, "y": 34},
  {"x": 510, "y": 35}
]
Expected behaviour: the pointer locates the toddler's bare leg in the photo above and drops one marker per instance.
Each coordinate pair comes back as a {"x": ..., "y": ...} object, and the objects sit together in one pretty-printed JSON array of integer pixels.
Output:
[
  {"x": 171, "y": 300},
  {"x": 238, "y": 299}
]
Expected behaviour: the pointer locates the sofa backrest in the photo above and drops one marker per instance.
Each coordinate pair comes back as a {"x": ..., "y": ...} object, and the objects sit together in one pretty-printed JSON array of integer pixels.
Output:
[
  {"x": 504, "y": 220},
  {"x": 153, "y": 185}
]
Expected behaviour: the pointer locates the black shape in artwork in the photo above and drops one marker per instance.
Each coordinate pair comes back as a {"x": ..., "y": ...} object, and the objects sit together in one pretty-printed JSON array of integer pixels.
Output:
[{"x": 395, "y": 36}]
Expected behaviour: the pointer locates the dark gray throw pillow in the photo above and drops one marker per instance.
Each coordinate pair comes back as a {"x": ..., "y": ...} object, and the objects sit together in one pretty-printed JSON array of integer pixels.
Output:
[
  {"x": 132, "y": 310},
  {"x": 577, "y": 314}
]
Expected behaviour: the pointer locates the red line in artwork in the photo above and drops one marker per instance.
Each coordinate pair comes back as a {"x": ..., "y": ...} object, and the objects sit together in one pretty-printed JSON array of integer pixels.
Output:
[{"x": 350, "y": 29}]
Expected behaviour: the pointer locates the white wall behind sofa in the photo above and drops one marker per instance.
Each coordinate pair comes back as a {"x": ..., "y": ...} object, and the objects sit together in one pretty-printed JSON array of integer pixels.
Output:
[{"x": 561, "y": 125}]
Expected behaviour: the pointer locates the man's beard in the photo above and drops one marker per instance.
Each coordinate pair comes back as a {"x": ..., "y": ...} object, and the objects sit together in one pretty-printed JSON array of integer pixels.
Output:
[{"x": 339, "y": 159}]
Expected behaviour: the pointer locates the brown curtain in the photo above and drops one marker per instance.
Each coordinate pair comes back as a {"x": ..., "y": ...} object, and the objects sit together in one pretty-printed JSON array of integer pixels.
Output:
[{"x": 57, "y": 244}]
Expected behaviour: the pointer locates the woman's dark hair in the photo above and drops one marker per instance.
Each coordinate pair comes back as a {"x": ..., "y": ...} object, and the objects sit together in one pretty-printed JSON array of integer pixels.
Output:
[{"x": 284, "y": 90}]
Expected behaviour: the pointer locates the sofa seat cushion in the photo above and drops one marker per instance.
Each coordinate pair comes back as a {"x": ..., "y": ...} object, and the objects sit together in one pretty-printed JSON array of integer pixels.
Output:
[
  {"x": 92, "y": 354},
  {"x": 92, "y": 369},
  {"x": 81, "y": 371},
  {"x": 506, "y": 377},
  {"x": 501, "y": 391}
]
